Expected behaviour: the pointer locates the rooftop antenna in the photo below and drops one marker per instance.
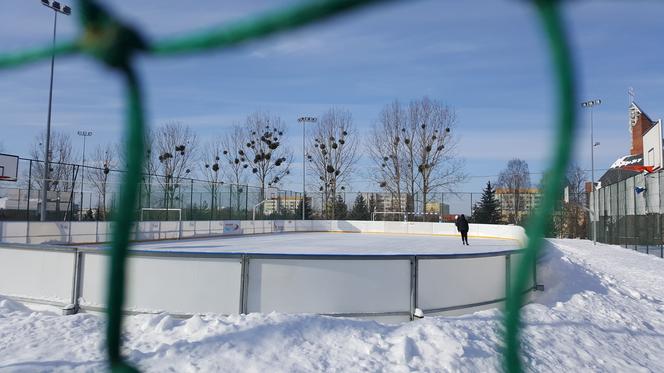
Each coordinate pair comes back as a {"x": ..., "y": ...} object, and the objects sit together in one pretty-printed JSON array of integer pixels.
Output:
[{"x": 631, "y": 112}]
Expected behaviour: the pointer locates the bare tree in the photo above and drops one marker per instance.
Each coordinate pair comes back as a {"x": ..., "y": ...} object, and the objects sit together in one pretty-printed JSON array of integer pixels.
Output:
[
  {"x": 61, "y": 155},
  {"x": 235, "y": 165},
  {"x": 264, "y": 151},
  {"x": 515, "y": 180},
  {"x": 235, "y": 168},
  {"x": 174, "y": 146},
  {"x": 333, "y": 155},
  {"x": 150, "y": 167},
  {"x": 211, "y": 167},
  {"x": 431, "y": 157},
  {"x": 386, "y": 150},
  {"x": 574, "y": 216},
  {"x": 104, "y": 160},
  {"x": 414, "y": 150}
]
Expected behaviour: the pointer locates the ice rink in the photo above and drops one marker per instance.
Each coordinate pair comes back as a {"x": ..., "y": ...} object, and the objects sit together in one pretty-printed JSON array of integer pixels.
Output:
[{"x": 333, "y": 243}]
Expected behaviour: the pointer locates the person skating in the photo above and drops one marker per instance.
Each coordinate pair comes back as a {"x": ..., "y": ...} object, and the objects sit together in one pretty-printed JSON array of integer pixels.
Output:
[{"x": 462, "y": 226}]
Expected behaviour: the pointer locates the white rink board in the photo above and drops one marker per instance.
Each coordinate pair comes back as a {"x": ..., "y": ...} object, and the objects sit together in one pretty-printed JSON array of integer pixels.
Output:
[
  {"x": 177, "y": 285},
  {"x": 454, "y": 282},
  {"x": 99, "y": 232},
  {"x": 328, "y": 286},
  {"x": 37, "y": 274}
]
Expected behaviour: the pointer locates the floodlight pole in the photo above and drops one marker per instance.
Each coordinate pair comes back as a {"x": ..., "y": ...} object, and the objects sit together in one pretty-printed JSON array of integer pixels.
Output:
[
  {"x": 589, "y": 104},
  {"x": 55, "y": 6},
  {"x": 84, "y": 134},
  {"x": 304, "y": 121}
]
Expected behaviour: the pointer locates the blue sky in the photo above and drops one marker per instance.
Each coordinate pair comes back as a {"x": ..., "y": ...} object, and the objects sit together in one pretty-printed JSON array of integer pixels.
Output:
[{"x": 486, "y": 59}]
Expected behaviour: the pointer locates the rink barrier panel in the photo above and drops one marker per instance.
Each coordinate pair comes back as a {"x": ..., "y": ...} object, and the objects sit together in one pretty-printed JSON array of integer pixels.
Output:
[{"x": 379, "y": 286}]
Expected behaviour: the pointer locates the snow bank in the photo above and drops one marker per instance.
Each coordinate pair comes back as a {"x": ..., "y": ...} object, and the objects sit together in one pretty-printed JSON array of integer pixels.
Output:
[{"x": 602, "y": 310}]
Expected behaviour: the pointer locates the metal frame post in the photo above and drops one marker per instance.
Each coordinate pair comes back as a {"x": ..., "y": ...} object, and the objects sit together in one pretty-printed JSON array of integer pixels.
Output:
[
  {"x": 413, "y": 286},
  {"x": 74, "y": 307},
  {"x": 244, "y": 283}
]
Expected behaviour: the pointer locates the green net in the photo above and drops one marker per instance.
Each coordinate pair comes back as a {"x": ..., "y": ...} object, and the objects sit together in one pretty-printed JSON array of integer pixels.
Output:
[{"x": 114, "y": 43}]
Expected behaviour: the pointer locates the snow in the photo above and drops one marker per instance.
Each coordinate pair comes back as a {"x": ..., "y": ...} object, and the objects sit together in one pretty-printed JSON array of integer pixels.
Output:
[
  {"x": 333, "y": 243},
  {"x": 602, "y": 310},
  {"x": 626, "y": 161}
]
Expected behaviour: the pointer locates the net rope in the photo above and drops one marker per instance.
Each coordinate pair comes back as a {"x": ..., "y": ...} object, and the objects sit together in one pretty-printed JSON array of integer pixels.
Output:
[{"x": 114, "y": 44}]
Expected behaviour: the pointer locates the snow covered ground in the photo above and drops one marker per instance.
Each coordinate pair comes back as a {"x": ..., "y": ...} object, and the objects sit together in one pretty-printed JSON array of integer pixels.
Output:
[
  {"x": 602, "y": 310},
  {"x": 332, "y": 243}
]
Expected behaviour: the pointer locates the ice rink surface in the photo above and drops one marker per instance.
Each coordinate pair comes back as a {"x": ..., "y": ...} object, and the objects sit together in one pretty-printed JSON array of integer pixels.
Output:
[{"x": 332, "y": 243}]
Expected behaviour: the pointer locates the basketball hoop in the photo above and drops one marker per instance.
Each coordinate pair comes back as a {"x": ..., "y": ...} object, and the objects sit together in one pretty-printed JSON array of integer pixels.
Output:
[{"x": 8, "y": 167}]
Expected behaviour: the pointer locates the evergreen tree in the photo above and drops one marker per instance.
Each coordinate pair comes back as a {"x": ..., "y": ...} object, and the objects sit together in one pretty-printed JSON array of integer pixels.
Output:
[
  {"x": 307, "y": 209},
  {"x": 340, "y": 208},
  {"x": 360, "y": 209},
  {"x": 372, "y": 203},
  {"x": 487, "y": 210}
]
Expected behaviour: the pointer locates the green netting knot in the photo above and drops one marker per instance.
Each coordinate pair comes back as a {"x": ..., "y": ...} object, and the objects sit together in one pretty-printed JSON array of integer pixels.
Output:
[{"x": 106, "y": 38}]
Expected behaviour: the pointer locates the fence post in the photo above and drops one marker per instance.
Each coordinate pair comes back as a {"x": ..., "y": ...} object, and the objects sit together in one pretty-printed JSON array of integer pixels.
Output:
[
  {"x": 140, "y": 198},
  {"x": 191, "y": 200},
  {"x": 246, "y": 202},
  {"x": 230, "y": 201},
  {"x": 29, "y": 192},
  {"x": 212, "y": 195}
]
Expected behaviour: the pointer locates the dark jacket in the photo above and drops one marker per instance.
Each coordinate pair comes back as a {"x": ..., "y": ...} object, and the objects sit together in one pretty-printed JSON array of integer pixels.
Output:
[{"x": 461, "y": 224}]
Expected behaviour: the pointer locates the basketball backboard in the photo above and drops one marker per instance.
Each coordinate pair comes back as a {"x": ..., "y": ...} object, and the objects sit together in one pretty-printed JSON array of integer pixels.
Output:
[{"x": 8, "y": 167}]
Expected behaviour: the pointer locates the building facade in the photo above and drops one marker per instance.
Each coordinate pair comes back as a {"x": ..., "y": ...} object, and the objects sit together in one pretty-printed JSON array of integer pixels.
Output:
[
  {"x": 516, "y": 205},
  {"x": 283, "y": 204}
]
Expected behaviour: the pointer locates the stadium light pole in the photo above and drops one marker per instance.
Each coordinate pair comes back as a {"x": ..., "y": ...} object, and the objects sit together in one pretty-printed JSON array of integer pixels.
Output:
[
  {"x": 304, "y": 121},
  {"x": 84, "y": 134},
  {"x": 66, "y": 10},
  {"x": 589, "y": 105}
]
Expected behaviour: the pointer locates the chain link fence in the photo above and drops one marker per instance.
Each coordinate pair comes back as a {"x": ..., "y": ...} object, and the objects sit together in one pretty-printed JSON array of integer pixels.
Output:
[
  {"x": 91, "y": 193},
  {"x": 629, "y": 213},
  {"x": 88, "y": 193}
]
